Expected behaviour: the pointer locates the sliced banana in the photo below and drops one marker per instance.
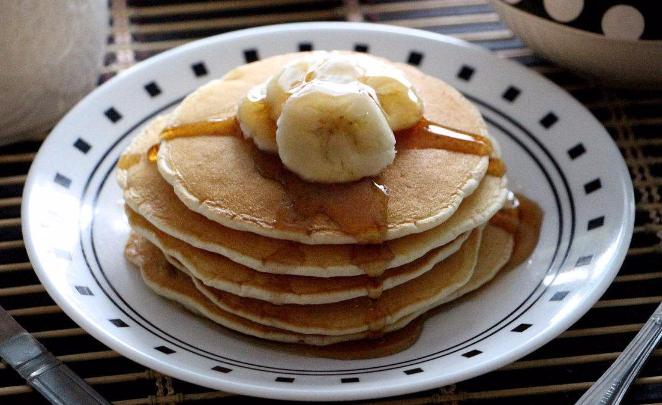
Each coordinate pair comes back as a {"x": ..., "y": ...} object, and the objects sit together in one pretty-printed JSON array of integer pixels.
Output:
[
  {"x": 401, "y": 104},
  {"x": 336, "y": 68},
  {"x": 396, "y": 94},
  {"x": 403, "y": 108},
  {"x": 331, "y": 116},
  {"x": 254, "y": 116},
  {"x": 330, "y": 132},
  {"x": 292, "y": 76}
]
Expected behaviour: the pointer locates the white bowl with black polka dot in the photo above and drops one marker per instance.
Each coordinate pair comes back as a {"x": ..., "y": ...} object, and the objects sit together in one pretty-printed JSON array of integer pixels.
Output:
[{"x": 615, "y": 41}]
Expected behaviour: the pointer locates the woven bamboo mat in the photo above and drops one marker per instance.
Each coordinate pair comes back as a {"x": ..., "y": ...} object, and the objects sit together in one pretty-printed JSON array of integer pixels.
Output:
[{"x": 555, "y": 374}]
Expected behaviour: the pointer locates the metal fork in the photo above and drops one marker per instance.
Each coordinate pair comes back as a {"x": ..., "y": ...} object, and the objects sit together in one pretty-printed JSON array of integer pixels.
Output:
[{"x": 614, "y": 383}]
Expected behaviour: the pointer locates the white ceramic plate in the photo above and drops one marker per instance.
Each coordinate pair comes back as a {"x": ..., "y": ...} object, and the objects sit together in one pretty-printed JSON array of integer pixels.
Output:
[{"x": 557, "y": 154}]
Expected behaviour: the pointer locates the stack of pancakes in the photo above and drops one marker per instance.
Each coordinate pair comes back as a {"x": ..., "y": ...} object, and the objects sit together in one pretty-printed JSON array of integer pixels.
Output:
[{"x": 212, "y": 232}]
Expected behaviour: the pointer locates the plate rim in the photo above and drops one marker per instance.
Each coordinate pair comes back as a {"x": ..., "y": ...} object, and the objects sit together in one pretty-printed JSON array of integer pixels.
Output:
[{"x": 300, "y": 392}]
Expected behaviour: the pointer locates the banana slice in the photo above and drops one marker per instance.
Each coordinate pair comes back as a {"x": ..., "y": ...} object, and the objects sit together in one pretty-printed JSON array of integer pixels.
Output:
[
  {"x": 293, "y": 75},
  {"x": 336, "y": 68},
  {"x": 397, "y": 97},
  {"x": 331, "y": 116},
  {"x": 401, "y": 104},
  {"x": 330, "y": 133},
  {"x": 254, "y": 116}
]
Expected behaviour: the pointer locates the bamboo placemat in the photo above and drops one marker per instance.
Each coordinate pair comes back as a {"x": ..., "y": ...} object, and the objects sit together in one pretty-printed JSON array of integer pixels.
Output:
[{"x": 557, "y": 373}]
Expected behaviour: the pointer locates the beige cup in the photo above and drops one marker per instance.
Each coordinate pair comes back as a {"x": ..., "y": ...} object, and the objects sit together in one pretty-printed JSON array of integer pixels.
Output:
[{"x": 51, "y": 52}]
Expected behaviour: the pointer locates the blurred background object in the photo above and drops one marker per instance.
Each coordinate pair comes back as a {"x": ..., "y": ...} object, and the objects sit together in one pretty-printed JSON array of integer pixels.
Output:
[
  {"x": 51, "y": 54},
  {"x": 616, "y": 41}
]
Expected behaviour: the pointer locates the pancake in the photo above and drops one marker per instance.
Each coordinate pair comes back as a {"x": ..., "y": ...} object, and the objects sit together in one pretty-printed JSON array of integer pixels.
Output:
[
  {"x": 358, "y": 314},
  {"x": 217, "y": 271},
  {"x": 426, "y": 186},
  {"x": 153, "y": 198},
  {"x": 495, "y": 251},
  {"x": 166, "y": 280},
  {"x": 349, "y": 270}
]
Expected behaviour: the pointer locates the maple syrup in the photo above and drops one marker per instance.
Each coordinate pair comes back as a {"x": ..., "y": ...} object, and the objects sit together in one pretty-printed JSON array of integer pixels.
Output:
[
  {"x": 375, "y": 287},
  {"x": 358, "y": 208},
  {"x": 128, "y": 160},
  {"x": 153, "y": 152},
  {"x": 522, "y": 218},
  {"x": 429, "y": 135},
  {"x": 528, "y": 231},
  {"x": 496, "y": 167},
  {"x": 214, "y": 127},
  {"x": 372, "y": 258}
]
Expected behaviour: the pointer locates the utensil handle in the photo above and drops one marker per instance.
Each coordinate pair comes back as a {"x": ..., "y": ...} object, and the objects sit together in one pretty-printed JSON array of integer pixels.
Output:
[
  {"x": 46, "y": 374},
  {"x": 614, "y": 383},
  {"x": 59, "y": 385}
]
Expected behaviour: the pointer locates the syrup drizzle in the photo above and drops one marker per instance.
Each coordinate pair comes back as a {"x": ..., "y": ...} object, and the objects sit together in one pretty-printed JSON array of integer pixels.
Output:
[
  {"x": 153, "y": 152},
  {"x": 128, "y": 160},
  {"x": 214, "y": 127},
  {"x": 508, "y": 217},
  {"x": 358, "y": 208},
  {"x": 429, "y": 135},
  {"x": 529, "y": 222}
]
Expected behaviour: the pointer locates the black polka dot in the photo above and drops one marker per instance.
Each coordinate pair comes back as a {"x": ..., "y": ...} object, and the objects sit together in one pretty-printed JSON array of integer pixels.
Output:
[
  {"x": 285, "y": 379},
  {"x": 465, "y": 73},
  {"x": 164, "y": 349},
  {"x": 584, "y": 260},
  {"x": 521, "y": 327},
  {"x": 82, "y": 146},
  {"x": 349, "y": 380},
  {"x": 511, "y": 93},
  {"x": 592, "y": 186},
  {"x": 305, "y": 46},
  {"x": 113, "y": 115},
  {"x": 548, "y": 120},
  {"x": 415, "y": 58},
  {"x": 199, "y": 69},
  {"x": 82, "y": 290},
  {"x": 559, "y": 295},
  {"x": 250, "y": 55},
  {"x": 119, "y": 323},
  {"x": 413, "y": 371},
  {"x": 152, "y": 89},
  {"x": 62, "y": 180},
  {"x": 361, "y": 48},
  {"x": 576, "y": 151},
  {"x": 595, "y": 223},
  {"x": 221, "y": 369},
  {"x": 471, "y": 353}
]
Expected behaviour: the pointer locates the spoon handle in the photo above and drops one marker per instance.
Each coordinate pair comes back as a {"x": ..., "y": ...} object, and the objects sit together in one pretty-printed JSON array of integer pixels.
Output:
[{"x": 614, "y": 383}]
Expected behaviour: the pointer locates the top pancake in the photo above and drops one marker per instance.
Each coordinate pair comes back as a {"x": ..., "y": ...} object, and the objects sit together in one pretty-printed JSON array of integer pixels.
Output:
[{"x": 216, "y": 176}]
